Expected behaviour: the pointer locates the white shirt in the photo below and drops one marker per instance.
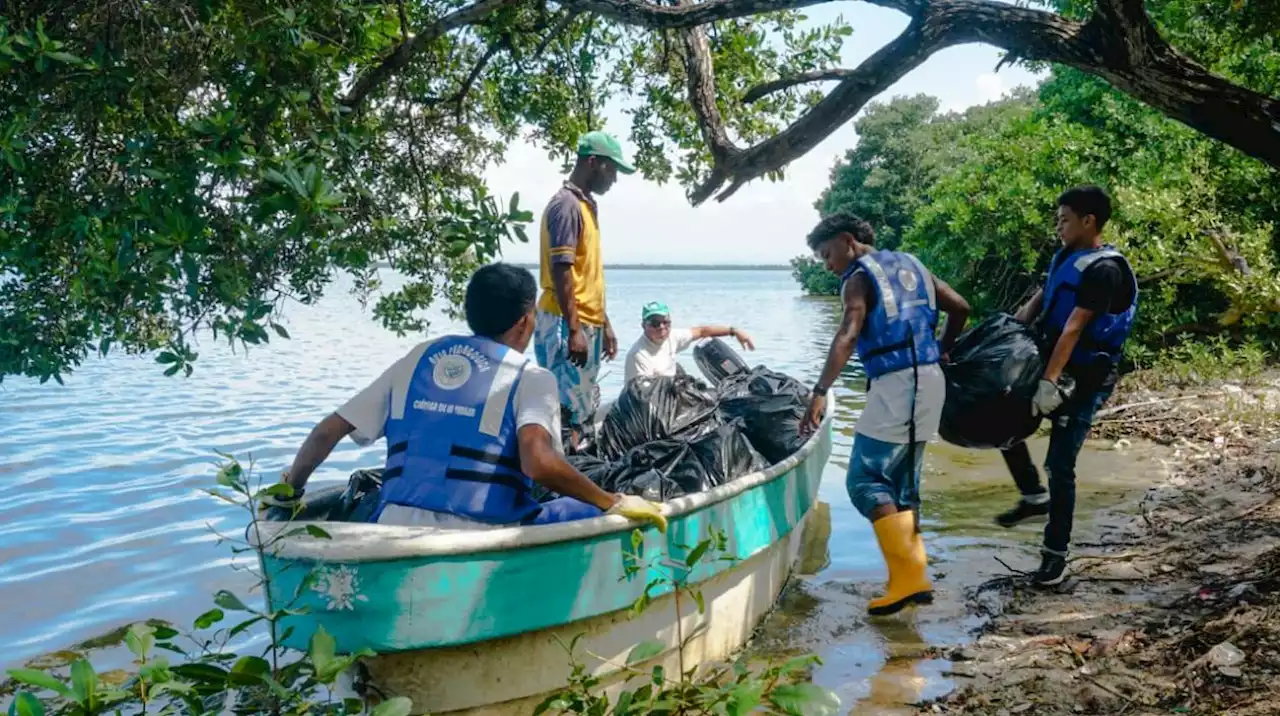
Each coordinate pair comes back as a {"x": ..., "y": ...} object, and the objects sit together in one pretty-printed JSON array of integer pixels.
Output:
[
  {"x": 537, "y": 402},
  {"x": 648, "y": 359}
]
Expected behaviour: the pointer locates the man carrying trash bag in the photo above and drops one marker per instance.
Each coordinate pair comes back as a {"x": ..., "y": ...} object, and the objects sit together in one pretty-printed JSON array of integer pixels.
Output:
[
  {"x": 1085, "y": 311},
  {"x": 891, "y": 304}
]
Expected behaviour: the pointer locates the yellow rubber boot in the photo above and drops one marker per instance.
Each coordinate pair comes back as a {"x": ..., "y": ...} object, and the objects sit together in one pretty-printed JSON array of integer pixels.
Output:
[{"x": 904, "y": 555}]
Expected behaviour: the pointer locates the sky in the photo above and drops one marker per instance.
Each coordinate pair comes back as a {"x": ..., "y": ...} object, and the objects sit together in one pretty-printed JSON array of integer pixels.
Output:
[{"x": 764, "y": 222}]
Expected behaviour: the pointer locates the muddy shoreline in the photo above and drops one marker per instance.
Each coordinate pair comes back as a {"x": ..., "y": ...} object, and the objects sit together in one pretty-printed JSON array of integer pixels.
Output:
[{"x": 1175, "y": 608}]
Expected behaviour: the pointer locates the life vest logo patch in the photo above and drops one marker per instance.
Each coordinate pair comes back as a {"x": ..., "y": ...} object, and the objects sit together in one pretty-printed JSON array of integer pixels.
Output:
[
  {"x": 451, "y": 371},
  {"x": 908, "y": 279}
]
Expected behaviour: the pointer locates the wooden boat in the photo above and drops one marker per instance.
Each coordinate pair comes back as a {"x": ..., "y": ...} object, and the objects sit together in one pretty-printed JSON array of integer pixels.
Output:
[{"x": 466, "y": 622}]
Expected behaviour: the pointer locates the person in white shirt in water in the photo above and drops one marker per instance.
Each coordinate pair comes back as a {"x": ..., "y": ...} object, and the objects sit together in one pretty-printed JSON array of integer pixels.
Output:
[
  {"x": 471, "y": 424},
  {"x": 654, "y": 353}
]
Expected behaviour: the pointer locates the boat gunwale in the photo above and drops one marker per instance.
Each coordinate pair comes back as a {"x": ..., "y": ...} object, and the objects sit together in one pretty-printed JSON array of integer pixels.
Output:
[{"x": 351, "y": 542}]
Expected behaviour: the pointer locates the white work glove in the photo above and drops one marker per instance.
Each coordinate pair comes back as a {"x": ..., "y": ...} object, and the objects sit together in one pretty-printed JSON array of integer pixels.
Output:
[
  {"x": 638, "y": 508},
  {"x": 1049, "y": 397}
]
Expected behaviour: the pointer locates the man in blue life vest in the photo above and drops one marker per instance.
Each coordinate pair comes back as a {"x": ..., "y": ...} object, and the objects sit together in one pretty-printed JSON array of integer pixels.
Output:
[
  {"x": 891, "y": 305},
  {"x": 471, "y": 424},
  {"x": 1085, "y": 312}
]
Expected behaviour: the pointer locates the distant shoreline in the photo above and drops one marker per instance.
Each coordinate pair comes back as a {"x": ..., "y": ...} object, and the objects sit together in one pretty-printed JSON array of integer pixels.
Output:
[
  {"x": 665, "y": 267},
  {"x": 686, "y": 267}
]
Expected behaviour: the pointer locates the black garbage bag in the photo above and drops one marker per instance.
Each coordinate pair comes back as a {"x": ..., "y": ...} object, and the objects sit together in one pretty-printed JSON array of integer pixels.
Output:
[
  {"x": 664, "y": 469},
  {"x": 718, "y": 361},
  {"x": 726, "y": 454},
  {"x": 994, "y": 371},
  {"x": 360, "y": 498},
  {"x": 655, "y": 409},
  {"x": 771, "y": 405}
]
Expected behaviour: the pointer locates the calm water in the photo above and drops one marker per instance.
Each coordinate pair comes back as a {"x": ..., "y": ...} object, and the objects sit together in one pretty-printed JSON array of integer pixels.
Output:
[{"x": 102, "y": 520}]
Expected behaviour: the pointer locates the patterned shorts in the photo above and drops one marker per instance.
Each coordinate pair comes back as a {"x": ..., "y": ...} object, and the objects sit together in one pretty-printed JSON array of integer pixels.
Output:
[{"x": 579, "y": 392}]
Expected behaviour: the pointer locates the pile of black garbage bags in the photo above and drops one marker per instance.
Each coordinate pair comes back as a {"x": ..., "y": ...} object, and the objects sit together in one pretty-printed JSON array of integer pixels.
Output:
[{"x": 667, "y": 437}]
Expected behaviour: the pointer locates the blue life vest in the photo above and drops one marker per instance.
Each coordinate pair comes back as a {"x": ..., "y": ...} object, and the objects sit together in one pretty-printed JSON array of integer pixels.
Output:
[
  {"x": 455, "y": 450},
  {"x": 1105, "y": 336},
  {"x": 900, "y": 330}
]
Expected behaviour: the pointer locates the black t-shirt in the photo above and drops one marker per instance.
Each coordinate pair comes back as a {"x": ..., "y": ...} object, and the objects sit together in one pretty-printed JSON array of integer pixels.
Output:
[{"x": 1104, "y": 288}]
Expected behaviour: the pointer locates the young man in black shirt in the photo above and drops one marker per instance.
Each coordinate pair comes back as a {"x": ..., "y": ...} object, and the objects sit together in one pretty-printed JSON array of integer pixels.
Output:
[{"x": 1085, "y": 312}]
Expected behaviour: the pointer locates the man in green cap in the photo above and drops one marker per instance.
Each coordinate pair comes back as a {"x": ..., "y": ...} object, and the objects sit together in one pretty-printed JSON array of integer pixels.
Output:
[
  {"x": 654, "y": 353},
  {"x": 572, "y": 333}
]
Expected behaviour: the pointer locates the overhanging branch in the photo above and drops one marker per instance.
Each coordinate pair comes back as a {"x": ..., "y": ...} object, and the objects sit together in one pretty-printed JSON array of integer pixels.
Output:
[
  {"x": 664, "y": 17},
  {"x": 768, "y": 88},
  {"x": 407, "y": 50},
  {"x": 1119, "y": 44}
]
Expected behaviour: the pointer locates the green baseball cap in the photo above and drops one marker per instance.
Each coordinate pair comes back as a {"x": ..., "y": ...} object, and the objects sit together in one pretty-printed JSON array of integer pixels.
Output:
[
  {"x": 654, "y": 308},
  {"x": 601, "y": 144}
]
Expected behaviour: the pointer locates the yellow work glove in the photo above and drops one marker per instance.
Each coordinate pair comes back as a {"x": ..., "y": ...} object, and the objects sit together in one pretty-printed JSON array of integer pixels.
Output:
[{"x": 638, "y": 508}]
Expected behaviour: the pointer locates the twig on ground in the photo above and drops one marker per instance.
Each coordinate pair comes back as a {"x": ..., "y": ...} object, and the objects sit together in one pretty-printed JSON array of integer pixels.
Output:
[
  {"x": 1124, "y": 556},
  {"x": 1237, "y": 516},
  {"x": 1011, "y": 569},
  {"x": 1145, "y": 403}
]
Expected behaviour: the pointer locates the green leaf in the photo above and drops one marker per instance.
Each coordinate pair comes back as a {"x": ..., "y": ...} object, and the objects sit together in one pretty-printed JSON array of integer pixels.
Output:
[
  {"x": 744, "y": 698},
  {"x": 280, "y": 331},
  {"x": 84, "y": 683},
  {"x": 140, "y": 639},
  {"x": 398, "y": 706},
  {"x": 166, "y": 357},
  {"x": 322, "y": 650},
  {"x": 163, "y": 632},
  {"x": 281, "y": 490},
  {"x": 804, "y": 700},
  {"x": 698, "y": 599},
  {"x": 227, "y": 600},
  {"x": 173, "y": 370},
  {"x": 242, "y": 626},
  {"x": 207, "y": 673},
  {"x": 697, "y": 553},
  {"x": 252, "y": 666},
  {"x": 176, "y": 687},
  {"x": 637, "y": 539},
  {"x": 41, "y": 680},
  {"x": 66, "y": 57},
  {"x": 645, "y": 650},
  {"x": 799, "y": 664},
  {"x": 317, "y": 532},
  {"x": 514, "y": 206},
  {"x": 25, "y": 703},
  {"x": 209, "y": 618}
]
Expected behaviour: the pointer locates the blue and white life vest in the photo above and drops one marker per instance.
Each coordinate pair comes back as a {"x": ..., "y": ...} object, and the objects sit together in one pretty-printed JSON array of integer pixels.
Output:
[
  {"x": 900, "y": 330},
  {"x": 1105, "y": 336},
  {"x": 455, "y": 449}
]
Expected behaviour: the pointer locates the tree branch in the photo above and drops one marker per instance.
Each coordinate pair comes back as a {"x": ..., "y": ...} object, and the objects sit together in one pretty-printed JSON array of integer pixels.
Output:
[
  {"x": 407, "y": 50},
  {"x": 1119, "y": 44},
  {"x": 915, "y": 45},
  {"x": 663, "y": 17},
  {"x": 768, "y": 88}
]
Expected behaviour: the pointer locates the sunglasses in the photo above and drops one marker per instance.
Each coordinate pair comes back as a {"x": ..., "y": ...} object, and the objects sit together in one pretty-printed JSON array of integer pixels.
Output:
[{"x": 659, "y": 322}]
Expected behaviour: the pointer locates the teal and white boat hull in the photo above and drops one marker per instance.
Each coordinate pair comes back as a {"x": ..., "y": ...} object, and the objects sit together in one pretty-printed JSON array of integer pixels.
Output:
[{"x": 467, "y": 621}]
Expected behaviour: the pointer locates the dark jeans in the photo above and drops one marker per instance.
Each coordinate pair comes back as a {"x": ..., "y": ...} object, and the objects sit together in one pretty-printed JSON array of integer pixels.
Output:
[{"x": 1071, "y": 424}]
